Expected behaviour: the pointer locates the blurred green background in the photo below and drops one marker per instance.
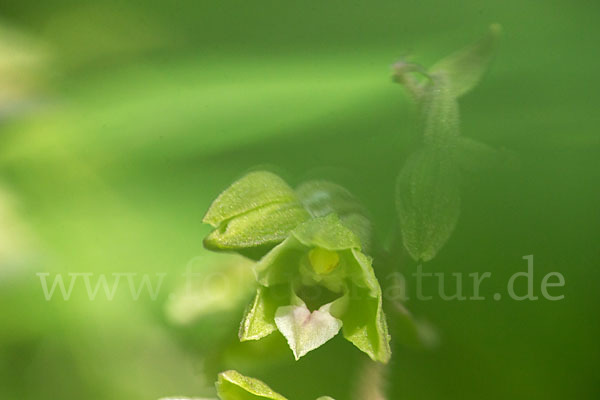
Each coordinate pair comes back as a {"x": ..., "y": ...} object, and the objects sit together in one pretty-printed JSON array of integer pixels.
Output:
[{"x": 120, "y": 121}]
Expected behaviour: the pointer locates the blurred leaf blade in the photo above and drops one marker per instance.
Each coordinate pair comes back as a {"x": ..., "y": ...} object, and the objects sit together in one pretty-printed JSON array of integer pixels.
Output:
[
  {"x": 465, "y": 67},
  {"x": 427, "y": 202}
]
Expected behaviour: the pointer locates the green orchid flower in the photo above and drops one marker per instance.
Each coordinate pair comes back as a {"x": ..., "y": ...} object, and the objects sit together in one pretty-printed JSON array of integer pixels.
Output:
[
  {"x": 316, "y": 282},
  {"x": 314, "y": 279}
]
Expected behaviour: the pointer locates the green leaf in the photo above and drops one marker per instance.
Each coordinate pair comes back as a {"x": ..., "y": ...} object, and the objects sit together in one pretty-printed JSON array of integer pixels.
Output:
[
  {"x": 259, "y": 319},
  {"x": 427, "y": 201},
  {"x": 305, "y": 330},
  {"x": 231, "y": 385},
  {"x": 465, "y": 68}
]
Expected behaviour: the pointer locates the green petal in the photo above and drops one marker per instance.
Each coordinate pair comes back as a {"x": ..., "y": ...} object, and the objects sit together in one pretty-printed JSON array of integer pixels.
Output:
[
  {"x": 428, "y": 202},
  {"x": 254, "y": 190},
  {"x": 361, "y": 272},
  {"x": 259, "y": 320},
  {"x": 364, "y": 321},
  {"x": 280, "y": 265},
  {"x": 465, "y": 68},
  {"x": 231, "y": 385}
]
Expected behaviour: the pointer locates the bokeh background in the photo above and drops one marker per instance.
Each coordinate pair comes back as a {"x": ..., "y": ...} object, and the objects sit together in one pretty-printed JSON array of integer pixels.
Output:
[{"x": 121, "y": 120}]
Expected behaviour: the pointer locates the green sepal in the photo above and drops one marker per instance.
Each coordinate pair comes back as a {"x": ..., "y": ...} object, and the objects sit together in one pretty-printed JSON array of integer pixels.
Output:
[
  {"x": 322, "y": 198},
  {"x": 327, "y": 232},
  {"x": 465, "y": 67},
  {"x": 428, "y": 201},
  {"x": 262, "y": 227},
  {"x": 254, "y": 190},
  {"x": 259, "y": 318},
  {"x": 364, "y": 322},
  {"x": 253, "y": 214},
  {"x": 231, "y": 385}
]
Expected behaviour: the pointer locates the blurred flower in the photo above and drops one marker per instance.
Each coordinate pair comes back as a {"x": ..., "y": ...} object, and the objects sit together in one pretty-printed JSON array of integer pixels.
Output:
[{"x": 210, "y": 285}]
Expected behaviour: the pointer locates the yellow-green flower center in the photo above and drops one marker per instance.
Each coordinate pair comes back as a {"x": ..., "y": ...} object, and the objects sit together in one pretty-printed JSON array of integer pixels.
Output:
[{"x": 323, "y": 261}]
